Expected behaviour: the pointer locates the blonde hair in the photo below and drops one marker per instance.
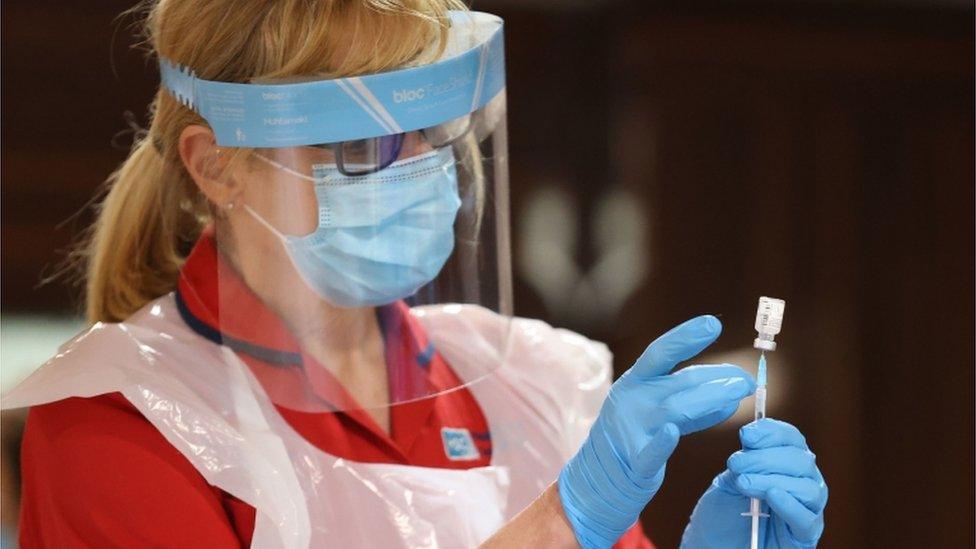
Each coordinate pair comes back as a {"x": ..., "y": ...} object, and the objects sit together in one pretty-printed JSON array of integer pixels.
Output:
[{"x": 153, "y": 211}]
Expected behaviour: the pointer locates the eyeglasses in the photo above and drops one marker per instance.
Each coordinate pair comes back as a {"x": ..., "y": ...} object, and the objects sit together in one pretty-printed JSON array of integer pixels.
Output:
[{"x": 366, "y": 156}]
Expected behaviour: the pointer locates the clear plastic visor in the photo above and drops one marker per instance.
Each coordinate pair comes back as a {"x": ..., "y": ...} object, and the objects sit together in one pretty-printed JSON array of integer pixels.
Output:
[{"x": 329, "y": 257}]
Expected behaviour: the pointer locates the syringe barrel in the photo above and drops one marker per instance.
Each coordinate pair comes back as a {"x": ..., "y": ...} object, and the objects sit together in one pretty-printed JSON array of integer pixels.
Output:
[{"x": 760, "y": 403}]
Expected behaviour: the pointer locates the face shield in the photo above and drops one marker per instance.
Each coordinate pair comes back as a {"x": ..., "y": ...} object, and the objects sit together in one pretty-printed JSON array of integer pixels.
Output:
[{"x": 353, "y": 206}]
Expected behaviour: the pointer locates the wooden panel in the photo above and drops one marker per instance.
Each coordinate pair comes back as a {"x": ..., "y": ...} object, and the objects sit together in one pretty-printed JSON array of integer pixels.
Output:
[
  {"x": 812, "y": 157},
  {"x": 68, "y": 78}
]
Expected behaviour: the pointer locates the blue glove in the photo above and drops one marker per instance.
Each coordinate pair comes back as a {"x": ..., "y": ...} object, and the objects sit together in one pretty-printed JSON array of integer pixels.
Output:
[
  {"x": 776, "y": 466},
  {"x": 620, "y": 466}
]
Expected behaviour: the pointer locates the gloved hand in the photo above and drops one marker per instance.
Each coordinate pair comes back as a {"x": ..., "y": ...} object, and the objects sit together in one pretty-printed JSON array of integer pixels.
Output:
[
  {"x": 776, "y": 466},
  {"x": 620, "y": 466}
]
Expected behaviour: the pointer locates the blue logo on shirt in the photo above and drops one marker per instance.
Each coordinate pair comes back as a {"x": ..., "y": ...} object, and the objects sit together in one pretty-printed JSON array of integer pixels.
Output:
[{"x": 458, "y": 444}]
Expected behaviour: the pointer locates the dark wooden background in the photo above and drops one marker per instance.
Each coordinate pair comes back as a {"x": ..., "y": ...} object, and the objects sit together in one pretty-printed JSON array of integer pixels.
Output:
[{"x": 819, "y": 152}]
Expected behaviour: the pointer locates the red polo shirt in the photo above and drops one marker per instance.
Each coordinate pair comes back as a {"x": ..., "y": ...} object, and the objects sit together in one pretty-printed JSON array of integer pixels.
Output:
[{"x": 97, "y": 473}]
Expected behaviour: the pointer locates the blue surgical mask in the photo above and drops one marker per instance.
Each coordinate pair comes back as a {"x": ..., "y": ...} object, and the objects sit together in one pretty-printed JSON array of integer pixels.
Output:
[{"x": 380, "y": 236}]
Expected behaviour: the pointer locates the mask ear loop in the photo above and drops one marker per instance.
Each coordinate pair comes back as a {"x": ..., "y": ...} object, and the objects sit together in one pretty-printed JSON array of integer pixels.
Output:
[
  {"x": 284, "y": 168},
  {"x": 264, "y": 222},
  {"x": 311, "y": 179}
]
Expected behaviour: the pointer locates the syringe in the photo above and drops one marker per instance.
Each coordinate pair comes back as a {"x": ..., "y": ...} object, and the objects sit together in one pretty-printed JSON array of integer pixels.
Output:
[
  {"x": 769, "y": 320},
  {"x": 755, "y": 510}
]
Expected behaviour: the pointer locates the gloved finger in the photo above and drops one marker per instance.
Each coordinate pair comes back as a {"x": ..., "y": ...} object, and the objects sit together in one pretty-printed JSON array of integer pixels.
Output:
[
  {"x": 805, "y": 525},
  {"x": 780, "y": 460},
  {"x": 709, "y": 420},
  {"x": 767, "y": 433},
  {"x": 655, "y": 454},
  {"x": 684, "y": 408},
  {"x": 811, "y": 493},
  {"x": 678, "y": 344},
  {"x": 699, "y": 374}
]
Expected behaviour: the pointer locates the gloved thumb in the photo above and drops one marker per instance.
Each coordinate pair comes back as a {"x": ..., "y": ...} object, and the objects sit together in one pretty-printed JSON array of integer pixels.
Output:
[
  {"x": 680, "y": 343},
  {"x": 654, "y": 455}
]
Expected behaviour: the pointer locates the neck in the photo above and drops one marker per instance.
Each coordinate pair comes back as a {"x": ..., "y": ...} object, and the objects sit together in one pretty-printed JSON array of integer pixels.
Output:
[
  {"x": 320, "y": 327},
  {"x": 317, "y": 323},
  {"x": 346, "y": 341}
]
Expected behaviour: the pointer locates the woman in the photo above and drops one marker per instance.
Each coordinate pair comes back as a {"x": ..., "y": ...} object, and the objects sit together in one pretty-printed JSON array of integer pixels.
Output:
[{"x": 300, "y": 285}]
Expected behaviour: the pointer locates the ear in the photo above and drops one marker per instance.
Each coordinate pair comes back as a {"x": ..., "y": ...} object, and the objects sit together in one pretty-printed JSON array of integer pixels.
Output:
[{"x": 206, "y": 163}]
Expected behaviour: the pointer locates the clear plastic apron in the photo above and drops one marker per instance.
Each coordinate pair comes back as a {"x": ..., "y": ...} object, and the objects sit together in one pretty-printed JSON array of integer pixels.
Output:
[{"x": 539, "y": 403}]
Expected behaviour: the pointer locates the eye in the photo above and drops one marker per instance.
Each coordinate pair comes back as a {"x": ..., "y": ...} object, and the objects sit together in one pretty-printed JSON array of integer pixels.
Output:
[
  {"x": 358, "y": 147},
  {"x": 319, "y": 153}
]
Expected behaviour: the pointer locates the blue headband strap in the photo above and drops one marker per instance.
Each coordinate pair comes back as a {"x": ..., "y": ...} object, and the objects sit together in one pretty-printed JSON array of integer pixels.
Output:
[{"x": 343, "y": 109}]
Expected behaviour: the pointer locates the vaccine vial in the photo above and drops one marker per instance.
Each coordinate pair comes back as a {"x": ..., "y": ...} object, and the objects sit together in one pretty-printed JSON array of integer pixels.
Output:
[{"x": 769, "y": 320}]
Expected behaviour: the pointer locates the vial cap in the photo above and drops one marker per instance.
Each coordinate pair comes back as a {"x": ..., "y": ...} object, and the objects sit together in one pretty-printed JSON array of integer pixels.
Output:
[{"x": 764, "y": 344}]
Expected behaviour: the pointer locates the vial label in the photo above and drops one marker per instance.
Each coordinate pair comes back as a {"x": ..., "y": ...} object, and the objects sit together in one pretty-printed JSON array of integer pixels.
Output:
[{"x": 769, "y": 315}]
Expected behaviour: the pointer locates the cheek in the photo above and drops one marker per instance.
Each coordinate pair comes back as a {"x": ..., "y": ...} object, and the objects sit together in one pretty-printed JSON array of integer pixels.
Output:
[
  {"x": 296, "y": 211},
  {"x": 288, "y": 203}
]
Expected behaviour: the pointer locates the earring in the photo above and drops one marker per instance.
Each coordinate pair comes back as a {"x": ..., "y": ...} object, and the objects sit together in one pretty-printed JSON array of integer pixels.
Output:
[{"x": 230, "y": 205}]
